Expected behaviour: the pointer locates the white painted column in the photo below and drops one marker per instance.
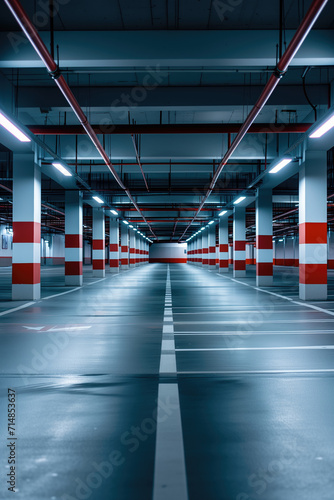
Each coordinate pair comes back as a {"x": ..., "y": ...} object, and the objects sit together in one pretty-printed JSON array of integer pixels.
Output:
[
  {"x": 223, "y": 244},
  {"x": 124, "y": 247},
  {"x": 313, "y": 226},
  {"x": 212, "y": 247},
  {"x": 205, "y": 250},
  {"x": 132, "y": 248},
  {"x": 73, "y": 238},
  {"x": 114, "y": 245},
  {"x": 239, "y": 243},
  {"x": 99, "y": 264},
  {"x": 26, "y": 261},
  {"x": 264, "y": 238}
]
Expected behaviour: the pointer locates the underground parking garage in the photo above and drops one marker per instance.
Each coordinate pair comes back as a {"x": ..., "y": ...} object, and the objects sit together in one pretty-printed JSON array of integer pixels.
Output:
[{"x": 167, "y": 252}]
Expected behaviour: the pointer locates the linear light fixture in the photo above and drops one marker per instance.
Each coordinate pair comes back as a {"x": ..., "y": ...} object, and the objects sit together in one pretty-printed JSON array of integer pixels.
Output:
[
  {"x": 325, "y": 127},
  {"x": 202, "y": 228},
  {"x": 114, "y": 211},
  {"x": 131, "y": 226},
  {"x": 96, "y": 198},
  {"x": 222, "y": 213},
  {"x": 280, "y": 165},
  {"x": 211, "y": 222},
  {"x": 8, "y": 125},
  {"x": 62, "y": 169},
  {"x": 125, "y": 222},
  {"x": 239, "y": 200}
]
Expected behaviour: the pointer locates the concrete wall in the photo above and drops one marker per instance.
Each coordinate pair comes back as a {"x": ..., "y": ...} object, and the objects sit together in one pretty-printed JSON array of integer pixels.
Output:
[{"x": 168, "y": 252}]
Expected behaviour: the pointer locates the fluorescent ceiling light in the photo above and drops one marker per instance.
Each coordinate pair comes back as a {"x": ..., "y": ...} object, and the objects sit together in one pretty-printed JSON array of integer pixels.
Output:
[
  {"x": 131, "y": 226},
  {"x": 125, "y": 222},
  {"x": 135, "y": 229},
  {"x": 325, "y": 127},
  {"x": 62, "y": 169},
  {"x": 280, "y": 165},
  {"x": 13, "y": 129},
  {"x": 202, "y": 228},
  {"x": 96, "y": 198},
  {"x": 222, "y": 213},
  {"x": 211, "y": 222},
  {"x": 114, "y": 212},
  {"x": 239, "y": 200}
]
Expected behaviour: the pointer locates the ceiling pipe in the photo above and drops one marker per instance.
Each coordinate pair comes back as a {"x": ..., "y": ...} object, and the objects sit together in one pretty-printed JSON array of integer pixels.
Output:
[
  {"x": 192, "y": 128},
  {"x": 281, "y": 68},
  {"x": 138, "y": 160},
  {"x": 31, "y": 33}
]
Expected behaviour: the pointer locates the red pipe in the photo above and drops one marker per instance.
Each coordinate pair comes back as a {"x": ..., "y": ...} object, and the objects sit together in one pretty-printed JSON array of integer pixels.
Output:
[
  {"x": 31, "y": 33},
  {"x": 194, "y": 128},
  {"x": 282, "y": 66}
]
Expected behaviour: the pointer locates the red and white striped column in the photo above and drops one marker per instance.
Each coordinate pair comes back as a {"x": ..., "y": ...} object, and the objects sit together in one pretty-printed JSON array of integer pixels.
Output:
[
  {"x": 190, "y": 252},
  {"x": 212, "y": 247},
  {"x": 223, "y": 244},
  {"x": 73, "y": 238},
  {"x": 132, "y": 248},
  {"x": 26, "y": 270},
  {"x": 239, "y": 243},
  {"x": 124, "y": 247},
  {"x": 205, "y": 250},
  {"x": 264, "y": 238},
  {"x": 99, "y": 264},
  {"x": 313, "y": 226},
  {"x": 114, "y": 245}
]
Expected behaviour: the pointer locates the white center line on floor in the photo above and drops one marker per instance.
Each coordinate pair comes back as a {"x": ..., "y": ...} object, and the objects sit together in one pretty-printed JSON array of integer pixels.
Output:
[
  {"x": 169, "y": 470},
  {"x": 62, "y": 293},
  {"x": 254, "y": 322},
  {"x": 257, "y": 372},
  {"x": 253, "y": 333}
]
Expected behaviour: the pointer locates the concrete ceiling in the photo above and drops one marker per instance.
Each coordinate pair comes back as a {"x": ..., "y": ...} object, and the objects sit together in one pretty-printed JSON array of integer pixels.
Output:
[{"x": 158, "y": 63}]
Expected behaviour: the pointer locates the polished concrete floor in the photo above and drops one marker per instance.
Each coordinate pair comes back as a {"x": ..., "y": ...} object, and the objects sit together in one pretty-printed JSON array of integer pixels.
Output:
[{"x": 169, "y": 382}]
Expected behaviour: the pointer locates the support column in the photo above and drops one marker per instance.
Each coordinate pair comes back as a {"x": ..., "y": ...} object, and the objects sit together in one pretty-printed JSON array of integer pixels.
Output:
[
  {"x": 223, "y": 245},
  {"x": 313, "y": 226},
  {"x": 26, "y": 270},
  {"x": 99, "y": 264},
  {"x": 114, "y": 245},
  {"x": 212, "y": 247},
  {"x": 132, "y": 248},
  {"x": 124, "y": 247},
  {"x": 264, "y": 238},
  {"x": 73, "y": 238},
  {"x": 239, "y": 243},
  {"x": 205, "y": 251}
]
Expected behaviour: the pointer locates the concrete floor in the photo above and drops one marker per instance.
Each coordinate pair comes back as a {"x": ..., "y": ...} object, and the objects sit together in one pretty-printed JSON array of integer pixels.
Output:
[{"x": 246, "y": 412}]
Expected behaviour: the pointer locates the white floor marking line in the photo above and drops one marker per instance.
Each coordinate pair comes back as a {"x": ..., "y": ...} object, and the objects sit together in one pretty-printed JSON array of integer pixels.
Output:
[
  {"x": 62, "y": 293},
  {"x": 292, "y": 348},
  {"x": 254, "y": 322},
  {"x": 257, "y": 372},
  {"x": 170, "y": 470},
  {"x": 311, "y": 306},
  {"x": 252, "y": 333},
  {"x": 170, "y": 479},
  {"x": 8, "y": 311}
]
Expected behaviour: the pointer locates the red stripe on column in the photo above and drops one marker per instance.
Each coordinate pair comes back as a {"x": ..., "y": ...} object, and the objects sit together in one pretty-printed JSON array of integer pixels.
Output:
[
  {"x": 26, "y": 274},
  {"x": 223, "y": 263},
  {"x": 264, "y": 269},
  {"x": 124, "y": 262},
  {"x": 264, "y": 242},
  {"x": 240, "y": 245},
  {"x": 98, "y": 244},
  {"x": 313, "y": 232},
  {"x": 223, "y": 247},
  {"x": 26, "y": 232},
  {"x": 239, "y": 265},
  {"x": 205, "y": 250},
  {"x": 114, "y": 263},
  {"x": 73, "y": 268},
  {"x": 212, "y": 262},
  {"x": 99, "y": 264},
  {"x": 73, "y": 240},
  {"x": 313, "y": 274},
  {"x": 212, "y": 249},
  {"x": 132, "y": 250},
  {"x": 124, "y": 249},
  {"x": 113, "y": 247}
]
